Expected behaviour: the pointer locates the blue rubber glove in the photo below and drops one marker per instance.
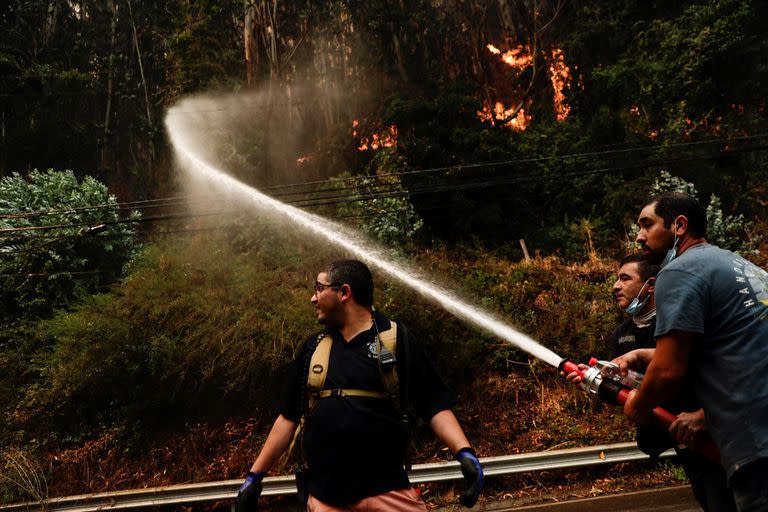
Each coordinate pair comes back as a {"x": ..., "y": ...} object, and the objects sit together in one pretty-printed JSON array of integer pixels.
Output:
[
  {"x": 473, "y": 476},
  {"x": 248, "y": 495}
]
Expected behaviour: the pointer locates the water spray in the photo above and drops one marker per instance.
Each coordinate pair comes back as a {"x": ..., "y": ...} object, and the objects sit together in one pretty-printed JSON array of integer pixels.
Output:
[
  {"x": 185, "y": 146},
  {"x": 614, "y": 389}
]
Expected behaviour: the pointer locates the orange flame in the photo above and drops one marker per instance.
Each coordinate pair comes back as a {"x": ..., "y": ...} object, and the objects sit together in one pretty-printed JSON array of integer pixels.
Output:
[
  {"x": 499, "y": 112},
  {"x": 518, "y": 58},
  {"x": 385, "y": 139},
  {"x": 560, "y": 75},
  {"x": 303, "y": 159}
]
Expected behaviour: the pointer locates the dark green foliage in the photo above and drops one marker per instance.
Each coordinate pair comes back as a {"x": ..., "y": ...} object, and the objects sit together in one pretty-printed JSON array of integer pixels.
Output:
[
  {"x": 642, "y": 75},
  {"x": 203, "y": 330},
  {"x": 62, "y": 239},
  {"x": 152, "y": 354}
]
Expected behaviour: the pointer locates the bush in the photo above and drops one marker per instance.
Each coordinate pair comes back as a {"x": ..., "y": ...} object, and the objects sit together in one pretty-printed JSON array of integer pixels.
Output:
[
  {"x": 198, "y": 329},
  {"x": 68, "y": 241},
  {"x": 389, "y": 217},
  {"x": 203, "y": 329}
]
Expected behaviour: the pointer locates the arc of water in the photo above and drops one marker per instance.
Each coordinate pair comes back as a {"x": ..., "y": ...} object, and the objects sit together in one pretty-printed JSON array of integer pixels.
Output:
[{"x": 339, "y": 235}]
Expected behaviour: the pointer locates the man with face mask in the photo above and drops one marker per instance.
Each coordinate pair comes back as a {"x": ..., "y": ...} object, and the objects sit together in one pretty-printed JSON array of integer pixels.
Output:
[
  {"x": 633, "y": 291},
  {"x": 712, "y": 330}
]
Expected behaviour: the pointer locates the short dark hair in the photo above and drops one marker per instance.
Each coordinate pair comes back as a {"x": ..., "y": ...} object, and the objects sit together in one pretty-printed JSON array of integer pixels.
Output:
[
  {"x": 669, "y": 205},
  {"x": 644, "y": 267},
  {"x": 355, "y": 274}
]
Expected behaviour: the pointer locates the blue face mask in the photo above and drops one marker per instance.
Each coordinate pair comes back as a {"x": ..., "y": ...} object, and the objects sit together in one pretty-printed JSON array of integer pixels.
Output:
[
  {"x": 636, "y": 305},
  {"x": 670, "y": 253}
]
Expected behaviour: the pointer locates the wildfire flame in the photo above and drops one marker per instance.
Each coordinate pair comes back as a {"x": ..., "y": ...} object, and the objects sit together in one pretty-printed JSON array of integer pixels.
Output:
[
  {"x": 560, "y": 75},
  {"x": 519, "y": 58},
  {"x": 303, "y": 159},
  {"x": 385, "y": 139},
  {"x": 501, "y": 113}
]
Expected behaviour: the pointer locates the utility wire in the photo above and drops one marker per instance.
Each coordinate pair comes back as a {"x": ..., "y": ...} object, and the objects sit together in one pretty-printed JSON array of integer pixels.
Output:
[
  {"x": 459, "y": 167},
  {"x": 378, "y": 194},
  {"x": 181, "y": 200},
  {"x": 344, "y": 198},
  {"x": 112, "y": 222},
  {"x": 151, "y": 203},
  {"x": 382, "y": 191}
]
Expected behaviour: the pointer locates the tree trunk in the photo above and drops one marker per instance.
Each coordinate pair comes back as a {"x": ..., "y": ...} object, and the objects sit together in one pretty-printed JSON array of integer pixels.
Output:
[
  {"x": 399, "y": 56},
  {"x": 108, "y": 113},
  {"x": 508, "y": 23},
  {"x": 49, "y": 25},
  {"x": 249, "y": 41},
  {"x": 141, "y": 71}
]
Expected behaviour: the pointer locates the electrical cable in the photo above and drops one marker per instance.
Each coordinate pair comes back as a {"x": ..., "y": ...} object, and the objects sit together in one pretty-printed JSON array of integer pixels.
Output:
[
  {"x": 179, "y": 200},
  {"x": 533, "y": 160},
  {"x": 345, "y": 198}
]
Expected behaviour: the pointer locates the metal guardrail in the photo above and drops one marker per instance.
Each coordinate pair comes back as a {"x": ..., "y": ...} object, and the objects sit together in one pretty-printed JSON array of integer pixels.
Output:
[{"x": 225, "y": 490}]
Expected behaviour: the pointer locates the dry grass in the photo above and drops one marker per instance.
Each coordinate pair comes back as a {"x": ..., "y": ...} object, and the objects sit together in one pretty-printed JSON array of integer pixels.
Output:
[{"x": 21, "y": 472}]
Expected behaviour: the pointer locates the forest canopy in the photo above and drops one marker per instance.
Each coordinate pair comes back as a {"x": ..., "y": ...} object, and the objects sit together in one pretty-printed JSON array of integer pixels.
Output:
[{"x": 534, "y": 117}]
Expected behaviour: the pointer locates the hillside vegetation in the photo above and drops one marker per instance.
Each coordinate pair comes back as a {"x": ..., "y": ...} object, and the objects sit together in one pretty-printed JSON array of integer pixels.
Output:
[
  {"x": 145, "y": 325},
  {"x": 196, "y": 338}
]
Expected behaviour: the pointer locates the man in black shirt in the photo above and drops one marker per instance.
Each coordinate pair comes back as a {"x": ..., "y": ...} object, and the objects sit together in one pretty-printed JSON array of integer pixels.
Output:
[
  {"x": 353, "y": 437},
  {"x": 633, "y": 292}
]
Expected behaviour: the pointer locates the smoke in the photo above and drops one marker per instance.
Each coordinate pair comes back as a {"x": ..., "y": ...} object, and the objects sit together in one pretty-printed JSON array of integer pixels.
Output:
[{"x": 193, "y": 150}]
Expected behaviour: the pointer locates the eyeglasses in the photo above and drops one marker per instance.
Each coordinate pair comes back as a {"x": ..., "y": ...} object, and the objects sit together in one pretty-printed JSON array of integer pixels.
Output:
[{"x": 319, "y": 287}]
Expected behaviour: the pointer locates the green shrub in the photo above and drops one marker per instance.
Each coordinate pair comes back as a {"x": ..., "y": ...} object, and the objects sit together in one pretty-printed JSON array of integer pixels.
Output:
[
  {"x": 390, "y": 217},
  {"x": 76, "y": 245},
  {"x": 203, "y": 329}
]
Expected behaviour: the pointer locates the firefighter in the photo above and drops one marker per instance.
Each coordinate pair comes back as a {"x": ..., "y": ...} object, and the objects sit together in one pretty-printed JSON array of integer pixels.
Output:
[
  {"x": 633, "y": 291},
  {"x": 711, "y": 329},
  {"x": 347, "y": 399}
]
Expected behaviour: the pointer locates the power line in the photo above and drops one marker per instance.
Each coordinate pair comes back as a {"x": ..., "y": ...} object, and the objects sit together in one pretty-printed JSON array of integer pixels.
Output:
[
  {"x": 105, "y": 206},
  {"x": 53, "y": 274},
  {"x": 321, "y": 201},
  {"x": 111, "y": 222},
  {"x": 346, "y": 199},
  {"x": 382, "y": 191},
  {"x": 534, "y": 160}
]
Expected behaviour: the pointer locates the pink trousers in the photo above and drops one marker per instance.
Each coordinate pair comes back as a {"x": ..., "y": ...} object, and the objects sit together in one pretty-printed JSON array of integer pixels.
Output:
[{"x": 402, "y": 500}]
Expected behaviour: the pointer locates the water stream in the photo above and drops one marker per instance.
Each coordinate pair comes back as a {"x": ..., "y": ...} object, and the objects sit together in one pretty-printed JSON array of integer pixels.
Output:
[{"x": 184, "y": 143}]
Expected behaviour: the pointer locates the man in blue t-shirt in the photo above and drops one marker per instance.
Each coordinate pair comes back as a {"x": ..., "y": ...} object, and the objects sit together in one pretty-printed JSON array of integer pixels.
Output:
[
  {"x": 634, "y": 294},
  {"x": 711, "y": 327}
]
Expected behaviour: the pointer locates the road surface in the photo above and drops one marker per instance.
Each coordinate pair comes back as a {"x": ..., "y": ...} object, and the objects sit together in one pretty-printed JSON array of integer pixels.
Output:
[{"x": 668, "y": 499}]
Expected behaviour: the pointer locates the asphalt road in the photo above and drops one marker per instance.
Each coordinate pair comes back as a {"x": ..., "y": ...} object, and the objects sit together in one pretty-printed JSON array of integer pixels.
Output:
[{"x": 668, "y": 499}]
